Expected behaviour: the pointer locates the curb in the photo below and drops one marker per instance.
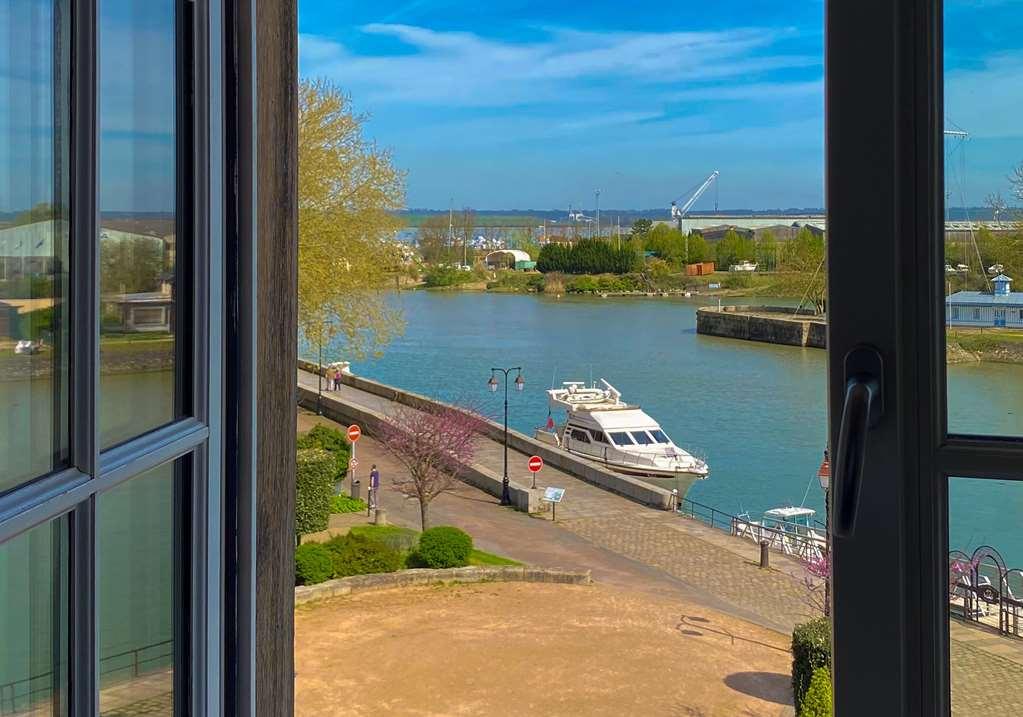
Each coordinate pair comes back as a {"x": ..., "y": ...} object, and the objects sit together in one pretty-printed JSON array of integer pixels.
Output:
[{"x": 422, "y": 576}]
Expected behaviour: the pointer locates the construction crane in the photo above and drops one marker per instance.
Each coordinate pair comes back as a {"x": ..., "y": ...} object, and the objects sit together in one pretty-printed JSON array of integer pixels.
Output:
[{"x": 678, "y": 213}]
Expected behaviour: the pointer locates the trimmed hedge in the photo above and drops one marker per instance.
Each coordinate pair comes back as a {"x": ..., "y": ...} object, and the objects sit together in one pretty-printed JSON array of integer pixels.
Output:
[
  {"x": 314, "y": 489},
  {"x": 354, "y": 554},
  {"x": 443, "y": 547},
  {"x": 811, "y": 650},
  {"x": 818, "y": 700},
  {"x": 346, "y": 504},
  {"x": 331, "y": 440},
  {"x": 313, "y": 564}
]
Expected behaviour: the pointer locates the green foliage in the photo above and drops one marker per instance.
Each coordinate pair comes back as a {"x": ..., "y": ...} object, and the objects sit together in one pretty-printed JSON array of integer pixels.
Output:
[
  {"x": 818, "y": 700},
  {"x": 767, "y": 251},
  {"x": 401, "y": 539},
  {"x": 355, "y": 554},
  {"x": 641, "y": 227},
  {"x": 734, "y": 248},
  {"x": 313, "y": 564},
  {"x": 346, "y": 504},
  {"x": 314, "y": 488},
  {"x": 36, "y": 323},
  {"x": 587, "y": 256},
  {"x": 665, "y": 243},
  {"x": 130, "y": 265},
  {"x": 699, "y": 249},
  {"x": 605, "y": 283},
  {"x": 331, "y": 440},
  {"x": 480, "y": 557},
  {"x": 441, "y": 276},
  {"x": 443, "y": 547},
  {"x": 517, "y": 281},
  {"x": 38, "y": 286},
  {"x": 738, "y": 280},
  {"x": 811, "y": 650}
]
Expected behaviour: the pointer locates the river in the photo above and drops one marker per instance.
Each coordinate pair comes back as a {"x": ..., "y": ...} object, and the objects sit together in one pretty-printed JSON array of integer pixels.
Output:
[{"x": 755, "y": 411}]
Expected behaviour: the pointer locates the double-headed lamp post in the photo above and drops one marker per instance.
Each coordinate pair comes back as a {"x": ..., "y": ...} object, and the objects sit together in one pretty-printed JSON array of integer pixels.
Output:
[
  {"x": 492, "y": 384},
  {"x": 824, "y": 476}
]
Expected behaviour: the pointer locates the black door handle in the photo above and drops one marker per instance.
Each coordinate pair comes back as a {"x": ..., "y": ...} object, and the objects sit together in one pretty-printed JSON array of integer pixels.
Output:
[{"x": 862, "y": 410}]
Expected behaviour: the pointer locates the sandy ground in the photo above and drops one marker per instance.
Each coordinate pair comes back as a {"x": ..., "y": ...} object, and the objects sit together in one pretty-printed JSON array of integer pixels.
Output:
[{"x": 533, "y": 649}]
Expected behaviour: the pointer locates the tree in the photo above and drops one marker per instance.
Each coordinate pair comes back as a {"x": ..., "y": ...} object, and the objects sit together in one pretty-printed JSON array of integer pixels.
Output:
[
  {"x": 665, "y": 242},
  {"x": 465, "y": 229},
  {"x": 130, "y": 265},
  {"x": 767, "y": 251},
  {"x": 1016, "y": 180},
  {"x": 348, "y": 189},
  {"x": 734, "y": 248},
  {"x": 434, "y": 443},
  {"x": 699, "y": 249},
  {"x": 804, "y": 260},
  {"x": 640, "y": 227},
  {"x": 435, "y": 239}
]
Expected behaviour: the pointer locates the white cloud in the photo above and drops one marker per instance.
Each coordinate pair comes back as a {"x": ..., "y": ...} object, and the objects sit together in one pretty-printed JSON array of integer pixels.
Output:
[{"x": 752, "y": 91}]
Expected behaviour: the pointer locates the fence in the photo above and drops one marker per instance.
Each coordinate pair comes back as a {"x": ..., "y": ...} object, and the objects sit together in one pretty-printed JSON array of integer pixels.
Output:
[
  {"x": 20, "y": 695},
  {"x": 982, "y": 589}
]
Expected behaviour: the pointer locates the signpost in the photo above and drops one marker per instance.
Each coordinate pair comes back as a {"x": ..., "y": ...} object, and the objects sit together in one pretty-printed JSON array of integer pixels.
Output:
[
  {"x": 553, "y": 496},
  {"x": 354, "y": 434},
  {"x": 535, "y": 464}
]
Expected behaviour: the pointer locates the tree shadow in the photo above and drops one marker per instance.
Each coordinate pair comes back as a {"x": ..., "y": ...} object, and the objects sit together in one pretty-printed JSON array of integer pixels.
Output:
[{"x": 769, "y": 686}]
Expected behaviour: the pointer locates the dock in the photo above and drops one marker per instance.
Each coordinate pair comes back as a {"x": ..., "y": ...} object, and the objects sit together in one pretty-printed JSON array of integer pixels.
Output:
[{"x": 769, "y": 324}]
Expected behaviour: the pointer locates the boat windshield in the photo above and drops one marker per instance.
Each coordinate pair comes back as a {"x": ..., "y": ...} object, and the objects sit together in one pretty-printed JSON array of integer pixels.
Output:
[
  {"x": 620, "y": 438},
  {"x": 641, "y": 437},
  {"x": 659, "y": 436}
]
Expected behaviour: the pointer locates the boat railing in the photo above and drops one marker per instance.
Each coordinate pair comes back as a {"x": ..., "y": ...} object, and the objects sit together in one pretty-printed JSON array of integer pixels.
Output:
[{"x": 788, "y": 541}]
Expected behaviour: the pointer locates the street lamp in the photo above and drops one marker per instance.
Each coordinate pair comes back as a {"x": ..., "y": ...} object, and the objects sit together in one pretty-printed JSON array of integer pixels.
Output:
[
  {"x": 520, "y": 383},
  {"x": 824, "y": 476}
]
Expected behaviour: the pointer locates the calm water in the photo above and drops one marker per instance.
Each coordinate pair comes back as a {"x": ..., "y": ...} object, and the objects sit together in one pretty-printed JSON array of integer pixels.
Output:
[{"x": 755, "y": 411}]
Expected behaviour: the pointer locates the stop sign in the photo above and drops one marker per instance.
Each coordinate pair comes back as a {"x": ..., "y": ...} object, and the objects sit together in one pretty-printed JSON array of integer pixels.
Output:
[
  {"x": 535, "y": 464},
  {"x": 354, "y": 432}
]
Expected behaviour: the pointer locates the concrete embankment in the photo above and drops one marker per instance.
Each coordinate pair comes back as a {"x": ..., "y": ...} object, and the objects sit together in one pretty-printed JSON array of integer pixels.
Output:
[
  {"x": 484, "y": 477},
  {"x": 770, "y": 324}
]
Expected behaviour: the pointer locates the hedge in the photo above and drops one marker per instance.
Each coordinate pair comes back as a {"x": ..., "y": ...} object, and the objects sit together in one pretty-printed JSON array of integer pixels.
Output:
[
  {"x": 818, "y": 700},
  {"x": 313, "y": 564},
  {"x": 314, "y": 488},
  {"x": 811, "y": 650},
  {"x": 443, "y": 547},
  {"x": 587, "y": 256},
  {"x": 346, "y": 504},
  {"x": 331, "y": 440},
  {"x": 358, "y": 555}
]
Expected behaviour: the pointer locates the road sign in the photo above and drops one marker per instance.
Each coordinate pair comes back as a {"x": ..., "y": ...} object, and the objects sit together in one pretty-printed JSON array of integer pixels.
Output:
[
  {"x": 353, "y": 463},
  {"x": 553, "y": 495},
  {"x": 535, "y": 464},
  {"x": 354, "y": 433}
]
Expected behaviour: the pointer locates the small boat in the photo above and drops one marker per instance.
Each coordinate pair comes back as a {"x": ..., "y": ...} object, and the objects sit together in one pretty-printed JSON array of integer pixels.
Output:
[
  {"x": 790, "y": 529},
  {"x": 621, "y": 436}
]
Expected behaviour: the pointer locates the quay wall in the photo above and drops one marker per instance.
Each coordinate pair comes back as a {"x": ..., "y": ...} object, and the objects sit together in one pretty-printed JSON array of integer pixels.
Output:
[
  {"x": 627, "y": 486},
  {"x": 770, "y": 324}
]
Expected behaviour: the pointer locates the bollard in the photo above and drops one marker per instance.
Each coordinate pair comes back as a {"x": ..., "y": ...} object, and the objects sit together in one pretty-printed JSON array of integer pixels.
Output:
[
  {"x": 380, "y": 517},
  {"x": 355, "y": 489},
  {"x": 765, "y": 561}
]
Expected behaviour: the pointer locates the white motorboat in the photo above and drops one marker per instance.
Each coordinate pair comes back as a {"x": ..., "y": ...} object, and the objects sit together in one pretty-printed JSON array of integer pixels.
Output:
[
  {"x": 789, "y": 529},
  {"x": 621, "y": 436}
]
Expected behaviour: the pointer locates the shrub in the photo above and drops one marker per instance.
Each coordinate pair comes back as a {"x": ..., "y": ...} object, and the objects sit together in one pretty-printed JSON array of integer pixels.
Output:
[
  {"x": 354, "y": 554},
  {"x": 443, "y": 547},
  {"x": 346, "y": 504},
  {"x": 818, "y": 700},
  {"x": 401, "y": 539},
  {"x": 331, "y": 440},
  {"x": 314, "y": 488},
  {"x": 811, "y": 649},
  {"x": 446, "y": 276},
  {"x": 313, "y": 564}
]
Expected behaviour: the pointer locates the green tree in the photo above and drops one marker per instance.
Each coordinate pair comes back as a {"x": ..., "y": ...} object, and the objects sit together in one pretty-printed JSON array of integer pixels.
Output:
[
  {"x": 641, "y": 226},
  {"x": 435, "y": 240},
  {"x": 818, "y": 699},
  {"x": 348, "y": 191},
  {"x": 804, "y": 261},
  {"x": 699, "y": 249},
  {"x": 767, "y": 251},
  {"x": 665, "y": 242},
  {"x": 734, "y": 248},
  {"x": 130, "y": 265},
  {"x": 554, "y": 257}
]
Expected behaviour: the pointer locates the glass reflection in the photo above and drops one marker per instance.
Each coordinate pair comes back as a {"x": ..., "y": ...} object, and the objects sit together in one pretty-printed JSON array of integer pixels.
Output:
[
  {"x": 33, "y": 622},
  {"x": 33, "y": 239},
  {"x": 137, "y": 236},
  {"x": 135, "y": 601}
]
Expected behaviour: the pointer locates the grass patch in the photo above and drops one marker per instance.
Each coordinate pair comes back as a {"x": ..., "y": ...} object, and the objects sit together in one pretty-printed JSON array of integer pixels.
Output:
[
  {"x": 406, "y": 539},
  {"x": 481, "y": 557}
]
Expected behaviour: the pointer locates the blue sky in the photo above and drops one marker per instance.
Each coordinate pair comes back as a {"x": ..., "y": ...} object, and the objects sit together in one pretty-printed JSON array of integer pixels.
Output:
[{"x": 536, "y": 104}]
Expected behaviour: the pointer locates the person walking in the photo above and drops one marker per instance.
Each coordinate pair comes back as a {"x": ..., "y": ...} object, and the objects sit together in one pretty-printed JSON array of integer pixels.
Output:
[
  {"x": 337, "y": 379},
  {"x": 374, "y": 486}
]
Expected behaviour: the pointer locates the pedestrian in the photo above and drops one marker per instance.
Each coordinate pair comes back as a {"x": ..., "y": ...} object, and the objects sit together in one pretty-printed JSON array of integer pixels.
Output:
[
  {"x": 374, "y": 485},
  {"x": 337, "y": 379}
]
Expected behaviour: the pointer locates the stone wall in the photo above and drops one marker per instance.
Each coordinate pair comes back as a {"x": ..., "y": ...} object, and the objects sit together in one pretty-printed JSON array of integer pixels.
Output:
[
  {"x": 755, "y": 323},
  {"x": 411, "y": 578}
]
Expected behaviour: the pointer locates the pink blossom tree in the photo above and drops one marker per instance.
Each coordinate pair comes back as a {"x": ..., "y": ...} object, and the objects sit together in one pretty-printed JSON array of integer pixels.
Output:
[{"x": 435, "y": 444}]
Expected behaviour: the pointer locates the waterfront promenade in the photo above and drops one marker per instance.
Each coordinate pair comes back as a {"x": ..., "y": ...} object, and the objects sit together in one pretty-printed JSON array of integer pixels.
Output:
[{"x": 626, "y": 543}]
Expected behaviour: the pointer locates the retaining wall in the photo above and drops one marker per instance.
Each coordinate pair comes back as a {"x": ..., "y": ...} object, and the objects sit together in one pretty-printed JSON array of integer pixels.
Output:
[
  {"x": 749, "y": 323},
  {"x": 410, "y": 578},
  {"x": 590, "y": 472}
]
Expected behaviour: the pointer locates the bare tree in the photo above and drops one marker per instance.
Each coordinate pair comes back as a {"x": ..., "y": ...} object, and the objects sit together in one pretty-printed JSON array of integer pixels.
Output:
[
  {"x": 1016, "y": 180},
  {"x": 996, "y": 204},
  {"x": 434, "y": 444}
]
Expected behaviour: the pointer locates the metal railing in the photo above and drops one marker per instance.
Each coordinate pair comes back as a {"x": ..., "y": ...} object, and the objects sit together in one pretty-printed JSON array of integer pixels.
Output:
[
  {"x": 784, "y": 541},
  {"x": 981, "y": 589},
  {"x": 12, "y": 700}
]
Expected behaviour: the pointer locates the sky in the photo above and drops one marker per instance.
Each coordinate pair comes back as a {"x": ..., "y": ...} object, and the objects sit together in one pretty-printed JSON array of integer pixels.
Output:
[{"x": 529, "y": 104}]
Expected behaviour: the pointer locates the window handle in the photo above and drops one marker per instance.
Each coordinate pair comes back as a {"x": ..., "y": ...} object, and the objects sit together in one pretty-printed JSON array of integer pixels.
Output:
[{"x": 862, "y": 410}]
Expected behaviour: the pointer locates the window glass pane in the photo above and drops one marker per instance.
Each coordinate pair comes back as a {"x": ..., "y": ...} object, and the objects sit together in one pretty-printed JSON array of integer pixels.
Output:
[
  {"x": 33, "y": 239},
  {"x": 641, "y": 437},
  {"x": 136, "y": 587},
  {"x": 983, "y": 272},
  {"x": 985, "y": 596},
  {"x": 137, "y": 236},
  {"x": 33, "y": 622},
  {"x": 621, "y": 438}
]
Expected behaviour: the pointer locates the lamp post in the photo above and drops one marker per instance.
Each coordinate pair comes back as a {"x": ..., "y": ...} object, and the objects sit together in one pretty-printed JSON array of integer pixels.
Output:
[
  {"x": 492, "y": 384},
  {"x": 824, "y": 476}
]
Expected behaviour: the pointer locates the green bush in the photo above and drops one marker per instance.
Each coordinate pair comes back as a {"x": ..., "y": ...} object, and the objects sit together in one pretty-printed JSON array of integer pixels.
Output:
[
  {"x": 443, "y": 547},
  {"x": 355, "y": 554},
  {"x": 587, "y": 256},
  {"x": 331, "y": 440},
  {"x": 346, "y": 504},
  {"x": 811, "y": 650},
  {"x": 313, "y": 564},
  {"x": 818, "y": 700},
  {"x": 446, "y": 276},
  {"x": 401, "y": 539},
  {"x": 314, "y": 489}
]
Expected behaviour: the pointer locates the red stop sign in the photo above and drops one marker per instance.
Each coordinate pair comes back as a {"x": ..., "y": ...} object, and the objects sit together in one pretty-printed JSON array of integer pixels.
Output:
[
  {"x": 535, "y": 464},
  {"x": 354, "y": 433}
]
